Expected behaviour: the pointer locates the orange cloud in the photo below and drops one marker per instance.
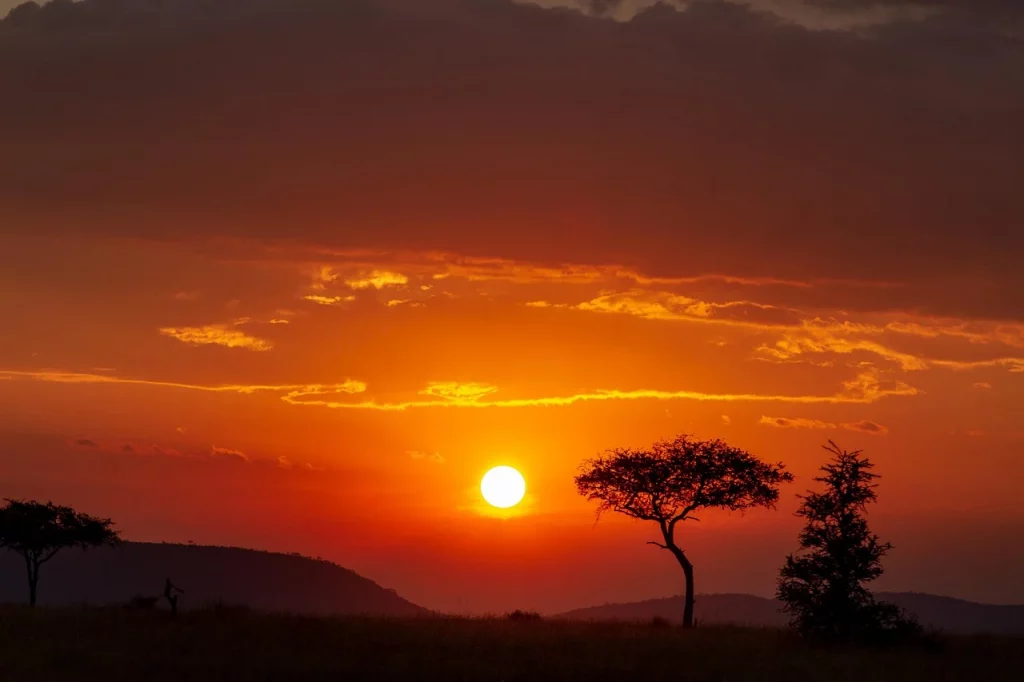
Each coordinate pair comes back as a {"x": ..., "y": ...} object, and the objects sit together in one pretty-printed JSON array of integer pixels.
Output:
[
  {"x": 187, "y": 296},
  {"x": 328, "y": 300},
  {"x": 818, "y": 337},
  {"x": 978, "y": 333},
  {"x": 427, "y": 457},
  {"x": 1013, "y": 365},
  {"x": 56, "y": 376},
  {"x": 322, "y": 276},
  {"x": 395, "y": 303},
  {"x": 217, "y": 334},
  {"x": 754, "y": 281},
  {"x": 865, "y": 388},
  {"x": 454, "y": 391},
  {"x": 377, "y": 279},
  {"x": 663, "y": 305}
]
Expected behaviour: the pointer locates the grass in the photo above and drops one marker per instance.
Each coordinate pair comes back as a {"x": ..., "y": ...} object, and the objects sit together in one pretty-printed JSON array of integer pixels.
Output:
[{"x": 111, "y": 645}]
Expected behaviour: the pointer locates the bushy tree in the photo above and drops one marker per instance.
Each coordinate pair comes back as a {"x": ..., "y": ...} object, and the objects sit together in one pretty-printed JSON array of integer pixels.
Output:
[
  {"x": 823, "y": 586},
  {"x": 39, "y": 531},
  {"x": 674, "y": 479}
]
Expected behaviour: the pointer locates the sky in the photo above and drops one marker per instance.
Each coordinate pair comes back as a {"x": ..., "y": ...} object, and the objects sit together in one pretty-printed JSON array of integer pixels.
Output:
[{"x": 295, "y": 275}]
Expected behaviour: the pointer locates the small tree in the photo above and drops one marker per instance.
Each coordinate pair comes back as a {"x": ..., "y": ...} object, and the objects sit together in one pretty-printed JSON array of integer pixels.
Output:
[
  {"x": 823, "y": 588},
  {"x": 39, "y": 531},
  {"x": 674, "y": 479}
]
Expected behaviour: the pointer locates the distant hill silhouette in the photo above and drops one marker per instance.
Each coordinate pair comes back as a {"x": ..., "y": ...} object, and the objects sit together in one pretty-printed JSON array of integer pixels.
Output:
[
  {"x": 940, "y": 613},
  {"x": 260, "y": 580}
]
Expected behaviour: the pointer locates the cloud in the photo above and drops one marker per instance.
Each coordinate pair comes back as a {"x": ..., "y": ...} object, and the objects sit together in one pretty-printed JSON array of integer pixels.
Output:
[
  {"x": 322, "y": 276},
  {"x": 454, "y": 391},
  {"x": 427, "y": 457},
  {"x": 1012, "y": 365},
  {"x": 818, "y": 337},
  {"x": 981, "y": 385},
  {"x": 228, "y": 453},
  {"x": 86, "y": 443},
  {"x": 328, "y": 300},
  {"x": 869, "y": 427},
  {"x": 801, "y": 335},
  {"x": 217, "y": 334},
  {"x": 865, "y": 426},
  {"x": 726, "y": 419},
  {"x": 378, "y": 279},
  {"x": 858, "y": 140},
  {"x": 795, "y": 423},
  {"x": 660, "y": 305},
  {"x": 348, "y": 386},
  {"x": 865, "y": 388},
  {"x": 844, "y": 337}
]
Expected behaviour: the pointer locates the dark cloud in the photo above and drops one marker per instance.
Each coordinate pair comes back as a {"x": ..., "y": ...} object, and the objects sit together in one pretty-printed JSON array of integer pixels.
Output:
[
  {"x": 718, "y": 139},
  {"x": 867, "y": 427},
  {"x": 86, "y": 443}
]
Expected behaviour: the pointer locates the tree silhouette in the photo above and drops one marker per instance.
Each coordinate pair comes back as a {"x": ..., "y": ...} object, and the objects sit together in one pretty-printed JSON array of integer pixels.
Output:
[
  {"x": 823, "y": 588},
  {"x": 672, "y": 480},
  {"x": 39, "y": 531}
]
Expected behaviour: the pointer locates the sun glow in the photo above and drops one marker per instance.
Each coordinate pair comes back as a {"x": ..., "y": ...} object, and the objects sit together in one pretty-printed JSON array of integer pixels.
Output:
[{"x": 503, "y": 487}]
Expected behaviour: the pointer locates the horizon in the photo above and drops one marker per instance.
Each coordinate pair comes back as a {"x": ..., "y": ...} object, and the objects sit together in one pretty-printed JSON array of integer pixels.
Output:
[{"x": 295, "y": 275}]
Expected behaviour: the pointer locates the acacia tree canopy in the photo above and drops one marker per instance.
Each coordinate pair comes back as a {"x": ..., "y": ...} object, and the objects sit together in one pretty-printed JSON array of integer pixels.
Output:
[{"x": 675, "y": 478}]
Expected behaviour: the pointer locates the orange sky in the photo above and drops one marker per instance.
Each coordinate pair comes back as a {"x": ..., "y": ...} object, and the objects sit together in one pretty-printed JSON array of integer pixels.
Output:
[
  {"x": 311, "y": 321},
  {"x": 197, "y": 398}
]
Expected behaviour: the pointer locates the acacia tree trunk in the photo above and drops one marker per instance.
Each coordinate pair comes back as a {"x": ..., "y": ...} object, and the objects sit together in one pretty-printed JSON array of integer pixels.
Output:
[
  {"x": 688, "y": 571},
  {"x": 32, "y": 568}
]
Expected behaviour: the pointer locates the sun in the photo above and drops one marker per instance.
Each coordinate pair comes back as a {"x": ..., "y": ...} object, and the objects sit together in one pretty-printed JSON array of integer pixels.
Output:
[{"x": 503, "y": 487}]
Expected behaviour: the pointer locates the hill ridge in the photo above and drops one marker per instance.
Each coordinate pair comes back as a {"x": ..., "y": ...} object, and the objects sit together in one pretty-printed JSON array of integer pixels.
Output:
[{"x": 937, "y": 612}]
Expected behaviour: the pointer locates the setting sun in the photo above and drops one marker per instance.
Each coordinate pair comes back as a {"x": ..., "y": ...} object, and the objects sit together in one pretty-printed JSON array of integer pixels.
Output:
[{"x": 503, "y": 487}]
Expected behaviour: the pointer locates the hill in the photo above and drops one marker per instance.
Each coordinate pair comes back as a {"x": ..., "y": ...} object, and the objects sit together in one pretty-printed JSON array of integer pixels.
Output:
[
  {"x": 260, "y": 580},
  {"x": 939, "y": 613}
]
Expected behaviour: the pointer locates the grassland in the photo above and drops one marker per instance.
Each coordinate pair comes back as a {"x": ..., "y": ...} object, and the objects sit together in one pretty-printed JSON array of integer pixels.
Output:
[{"x": 114, "y": 645}]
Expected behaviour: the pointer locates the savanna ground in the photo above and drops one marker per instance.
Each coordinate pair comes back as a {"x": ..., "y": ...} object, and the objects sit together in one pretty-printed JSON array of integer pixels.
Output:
[{"x": 113, "y": 644}]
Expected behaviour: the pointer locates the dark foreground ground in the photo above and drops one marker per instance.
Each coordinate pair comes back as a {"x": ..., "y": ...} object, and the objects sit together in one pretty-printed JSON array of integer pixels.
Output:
[{"x": 110, "y": 645}]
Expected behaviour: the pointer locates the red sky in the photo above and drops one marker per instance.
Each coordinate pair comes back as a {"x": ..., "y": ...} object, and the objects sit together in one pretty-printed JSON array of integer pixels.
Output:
[{"x": 295, "y": 279}]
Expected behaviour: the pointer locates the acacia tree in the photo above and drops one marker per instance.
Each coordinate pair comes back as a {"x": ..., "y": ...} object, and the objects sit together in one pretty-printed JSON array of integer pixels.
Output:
[
  {"x": 823, "y": 588},
  {"x": 674, "y": 479},
  {"x": 39, "y": 531}
]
